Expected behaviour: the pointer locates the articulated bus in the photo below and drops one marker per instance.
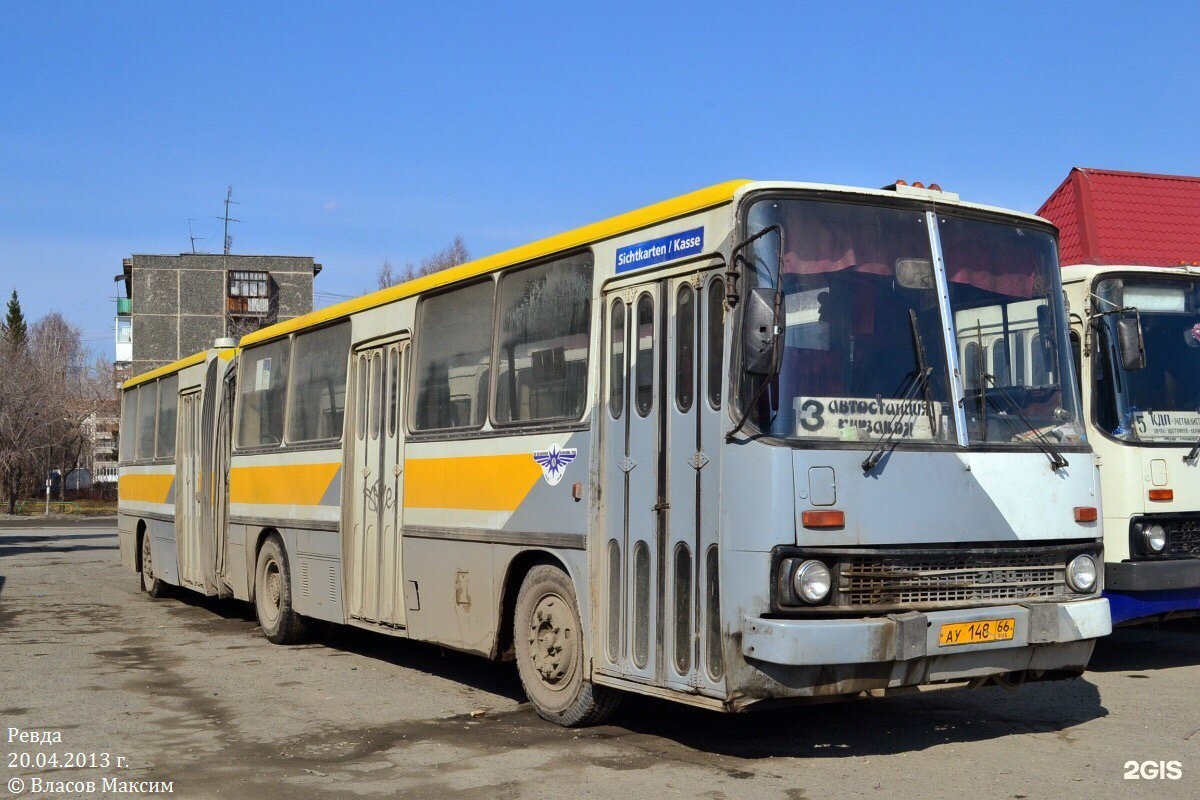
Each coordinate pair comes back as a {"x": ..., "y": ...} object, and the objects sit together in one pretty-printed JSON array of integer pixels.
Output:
[
  {"x": 1138, "y": 330},
  {"x": 721, "y": 450}
]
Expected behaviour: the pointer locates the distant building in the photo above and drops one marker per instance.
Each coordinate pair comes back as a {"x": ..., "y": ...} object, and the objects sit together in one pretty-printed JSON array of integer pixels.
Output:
[{"x": 177, "y": 305}]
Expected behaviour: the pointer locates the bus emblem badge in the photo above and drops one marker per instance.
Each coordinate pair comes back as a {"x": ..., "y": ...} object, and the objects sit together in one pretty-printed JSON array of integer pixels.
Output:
[{"x": 554, "y": 462}]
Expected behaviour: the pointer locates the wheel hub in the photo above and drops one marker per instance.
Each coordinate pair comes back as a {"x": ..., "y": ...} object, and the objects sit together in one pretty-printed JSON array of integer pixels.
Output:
[
  {"x": 273, "y": 591},
  {"x": 552, "y": 640}
]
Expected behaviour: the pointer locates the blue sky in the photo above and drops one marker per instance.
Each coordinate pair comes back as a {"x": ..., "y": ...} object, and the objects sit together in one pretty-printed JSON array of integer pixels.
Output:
[{"x": 359, "y": 132}]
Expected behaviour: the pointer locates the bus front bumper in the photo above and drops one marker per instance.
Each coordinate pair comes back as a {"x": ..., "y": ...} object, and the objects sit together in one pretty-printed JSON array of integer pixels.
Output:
[
  {"x": 914, "y": 635},
  {"x": 1143, "y": 590}
]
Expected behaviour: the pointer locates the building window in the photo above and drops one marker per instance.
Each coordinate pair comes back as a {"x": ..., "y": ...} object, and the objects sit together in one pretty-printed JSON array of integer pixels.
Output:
[{"x": 249, "y": 292}]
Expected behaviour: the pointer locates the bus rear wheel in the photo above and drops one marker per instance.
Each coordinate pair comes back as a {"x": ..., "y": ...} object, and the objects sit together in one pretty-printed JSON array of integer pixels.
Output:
[
  {"x": 150, "y": 584},
  {"x": 549, "y": 642},
  {"x": 273, "y": 596}
]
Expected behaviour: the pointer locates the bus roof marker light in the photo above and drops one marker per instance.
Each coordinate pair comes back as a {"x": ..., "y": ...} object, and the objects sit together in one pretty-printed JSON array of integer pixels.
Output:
[
  {"x": 1086, "y": 514},
  {"x": 1161, "y": 495},
  {"x": 824, "y": 519}
]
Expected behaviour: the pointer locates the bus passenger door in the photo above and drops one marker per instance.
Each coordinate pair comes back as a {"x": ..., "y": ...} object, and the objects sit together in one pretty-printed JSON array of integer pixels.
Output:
[
  {"x": 188, "y": 507},
  {"x": 694, "y": 347},
  {"x": 376, "y": 463},
  {"x": 632, "y": 482}
]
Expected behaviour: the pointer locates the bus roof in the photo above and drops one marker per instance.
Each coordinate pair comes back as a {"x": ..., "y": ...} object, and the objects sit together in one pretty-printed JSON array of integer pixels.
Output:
[
  {"x": 596, "y": 231},
  {"x": 631, "y": 221},
  {"x": 224, "y": 353}
]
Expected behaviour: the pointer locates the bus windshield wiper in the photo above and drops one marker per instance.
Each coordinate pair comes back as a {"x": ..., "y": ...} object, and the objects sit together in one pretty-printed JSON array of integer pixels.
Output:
[
  {"x": 917, "y": 379},
  {"x": 1057, "y": 461},
  {"x": 1192, "y": 454}
]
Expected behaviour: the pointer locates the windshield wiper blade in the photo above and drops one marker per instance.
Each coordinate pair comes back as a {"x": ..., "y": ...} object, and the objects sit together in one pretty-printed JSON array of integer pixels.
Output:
[
  {"x": 1192, "y": 454},
  {"x": 923, "y": 368},
  {"x": 1057, "y": 461},
  {"x": 918, "y": 378},
  {"x": 884, "y": 444}
]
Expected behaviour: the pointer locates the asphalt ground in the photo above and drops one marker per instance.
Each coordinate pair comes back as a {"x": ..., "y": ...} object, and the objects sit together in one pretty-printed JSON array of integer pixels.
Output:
[{"x": 185, "y": 690}]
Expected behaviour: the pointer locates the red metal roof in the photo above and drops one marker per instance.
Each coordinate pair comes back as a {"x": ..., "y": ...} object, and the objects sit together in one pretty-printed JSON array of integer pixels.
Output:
[{"x": 1110, "y": 217}]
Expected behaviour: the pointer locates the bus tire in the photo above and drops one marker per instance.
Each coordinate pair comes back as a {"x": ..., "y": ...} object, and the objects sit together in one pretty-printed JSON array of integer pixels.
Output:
[
  {"x": 273, "y": 595},
  {"x": 151, "y": 585},
  {"x": 549, "y": 642}
]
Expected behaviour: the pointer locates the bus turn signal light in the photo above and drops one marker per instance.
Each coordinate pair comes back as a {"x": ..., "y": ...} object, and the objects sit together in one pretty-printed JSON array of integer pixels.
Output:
[
  {"x": 824, "y": 519},
  {"x": 1162, "y": 494},
  {"x": 1085, "y": 514}
]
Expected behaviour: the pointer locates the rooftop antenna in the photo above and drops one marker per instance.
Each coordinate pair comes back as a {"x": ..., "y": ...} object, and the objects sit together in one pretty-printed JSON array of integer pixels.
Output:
[
  {"x": 193, "y": 236},
  {"x": 228, "y": 219}
]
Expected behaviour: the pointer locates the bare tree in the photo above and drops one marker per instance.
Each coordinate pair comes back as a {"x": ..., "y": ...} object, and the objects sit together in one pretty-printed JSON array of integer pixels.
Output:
[
  {"x": 50, "y": 394},
  {"x": 451, "y": 256}
]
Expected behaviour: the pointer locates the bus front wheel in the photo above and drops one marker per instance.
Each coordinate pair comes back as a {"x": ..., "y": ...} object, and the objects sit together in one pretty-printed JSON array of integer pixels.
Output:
[
  {"x": 150, "y": 585},
  {"x": 549, "y": 644},
  {"x": 273, "y": 595}
]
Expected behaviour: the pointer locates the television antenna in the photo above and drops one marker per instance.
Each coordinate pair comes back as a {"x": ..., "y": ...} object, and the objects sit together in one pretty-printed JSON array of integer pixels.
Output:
[
  {"x": 228, "y": 219},
  {"x": 193, "y": 236}
]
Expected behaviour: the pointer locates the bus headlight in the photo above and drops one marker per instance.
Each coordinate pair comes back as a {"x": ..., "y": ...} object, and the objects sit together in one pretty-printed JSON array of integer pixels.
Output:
[
  {"x": 1154, "y": 538},
  {"x": 1081, "y": 573},
  {"x": 811, "y": 582}
]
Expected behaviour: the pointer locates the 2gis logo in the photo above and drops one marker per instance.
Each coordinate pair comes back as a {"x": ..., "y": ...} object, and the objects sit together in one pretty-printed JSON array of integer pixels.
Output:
[{"x": 1153, "y": 770}]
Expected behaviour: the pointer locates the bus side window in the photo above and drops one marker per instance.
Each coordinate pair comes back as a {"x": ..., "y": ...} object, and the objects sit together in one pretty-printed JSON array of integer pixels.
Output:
[
  {"x": 545, "y": 314},
  {"x": 168, "y": 405},
  {"x": 644, "y": 368},
  {"x": 453, "y": 352},
  {"x": 317, "y": 397},
  {"x": 616, "y": 364},
  {"x": 262, "y": 394},
  {"x": 1000, "y": 363},
  {"x": 147, "y": 406},
  {"x": 1104, "y": 393},
  {"x": 685, "y": 347},
  {"x": 1077, "y": 355},
  {"x": 716, "y": 340},
  {"x": 971, "y": 359},
  {"x": 128, "y": 429}
]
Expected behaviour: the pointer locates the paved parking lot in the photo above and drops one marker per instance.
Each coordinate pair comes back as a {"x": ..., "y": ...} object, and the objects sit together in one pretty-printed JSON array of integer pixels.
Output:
[{"x": 185, "y": 690}]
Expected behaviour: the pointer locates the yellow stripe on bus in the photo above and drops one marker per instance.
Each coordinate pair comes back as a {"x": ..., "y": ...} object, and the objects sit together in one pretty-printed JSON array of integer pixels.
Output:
[
  {"x": 145, "y": 488},
  {"x": 481, "y": 483},
  {"x": 281, "y": 484}
]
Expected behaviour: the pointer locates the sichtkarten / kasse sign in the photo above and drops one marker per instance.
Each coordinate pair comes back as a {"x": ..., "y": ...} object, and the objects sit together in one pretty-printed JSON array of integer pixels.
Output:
[{"x": 656, "y": 251}]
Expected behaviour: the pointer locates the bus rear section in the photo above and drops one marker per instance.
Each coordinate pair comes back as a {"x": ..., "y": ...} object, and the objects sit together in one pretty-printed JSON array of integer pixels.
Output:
[{"x": 170, "y": 529}]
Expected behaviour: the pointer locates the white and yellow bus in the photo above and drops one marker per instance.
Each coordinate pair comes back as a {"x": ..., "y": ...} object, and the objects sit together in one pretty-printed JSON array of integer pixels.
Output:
[
  {"x": 719, "y": 449},
  {"x": 1138, "y": 330}
]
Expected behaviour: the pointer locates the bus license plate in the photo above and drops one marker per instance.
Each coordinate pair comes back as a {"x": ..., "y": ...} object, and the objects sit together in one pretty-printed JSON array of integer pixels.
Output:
[{"x": 984, "y": 630}]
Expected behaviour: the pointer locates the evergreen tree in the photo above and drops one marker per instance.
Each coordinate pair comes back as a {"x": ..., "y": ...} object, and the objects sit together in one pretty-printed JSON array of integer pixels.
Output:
[{"x": 15, "y": 331}]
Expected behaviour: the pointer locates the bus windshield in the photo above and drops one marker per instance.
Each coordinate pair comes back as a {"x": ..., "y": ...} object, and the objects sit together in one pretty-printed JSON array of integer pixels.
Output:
[
  {"x": 862, "y": 312},
  {"x": 1161, "y": 402},
  {"x": 1009, "y": 321}
]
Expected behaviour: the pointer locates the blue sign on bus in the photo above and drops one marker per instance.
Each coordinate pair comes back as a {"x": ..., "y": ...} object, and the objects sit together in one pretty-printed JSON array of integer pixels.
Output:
[{"x": 656, "y": 251}]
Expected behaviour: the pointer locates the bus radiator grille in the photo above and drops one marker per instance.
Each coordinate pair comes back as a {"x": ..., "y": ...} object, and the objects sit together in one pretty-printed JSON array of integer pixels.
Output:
[
  {"x": 876, "y": 581},
  {"x": 1183, "y": 538}
]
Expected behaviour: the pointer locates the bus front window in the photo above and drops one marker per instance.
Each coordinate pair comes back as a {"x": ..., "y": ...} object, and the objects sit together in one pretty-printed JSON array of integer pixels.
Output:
[
  {"x": 859, "y": 300},
  {"x": 1012, "y": 338},
  {"x": 1161, "y": 402}
]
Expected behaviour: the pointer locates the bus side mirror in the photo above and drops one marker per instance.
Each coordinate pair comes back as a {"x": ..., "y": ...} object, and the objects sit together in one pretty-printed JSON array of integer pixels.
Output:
[
  {"x": 762, "y": 333},
  {"x": 1130, "y": 343}
]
